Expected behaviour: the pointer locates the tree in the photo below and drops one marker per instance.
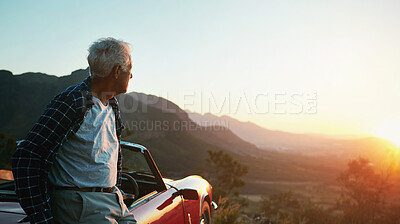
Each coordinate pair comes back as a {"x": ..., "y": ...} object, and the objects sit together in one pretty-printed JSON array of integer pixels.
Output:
[
  {"x": 363, "y": 192},
  {"x": 225, "y": 174}
]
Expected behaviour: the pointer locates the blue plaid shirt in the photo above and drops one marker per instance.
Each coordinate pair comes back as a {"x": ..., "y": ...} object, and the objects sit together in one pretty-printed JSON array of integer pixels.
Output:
[{"x": 34, "y": 155}]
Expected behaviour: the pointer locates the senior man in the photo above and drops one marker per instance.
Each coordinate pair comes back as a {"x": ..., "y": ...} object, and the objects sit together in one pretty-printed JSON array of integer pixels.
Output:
[{"x": 67, "y": 169}]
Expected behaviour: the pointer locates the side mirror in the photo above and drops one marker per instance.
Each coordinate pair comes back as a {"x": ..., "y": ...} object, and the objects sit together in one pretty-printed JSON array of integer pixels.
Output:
[{"x": 189, "y": 194}]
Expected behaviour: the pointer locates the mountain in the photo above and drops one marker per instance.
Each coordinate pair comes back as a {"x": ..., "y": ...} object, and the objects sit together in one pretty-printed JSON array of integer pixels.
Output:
[
  {"x": 261, "y": 137},
  {"x": 306, "y": 144},
  {"x": 23, "y": 98},
  {"x": 149, "y": 116},
  {"x": 172, "y": 136}
]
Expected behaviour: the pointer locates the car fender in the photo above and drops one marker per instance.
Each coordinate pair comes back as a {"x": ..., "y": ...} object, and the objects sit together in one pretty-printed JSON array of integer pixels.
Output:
[{"x": 204, "y": 190}]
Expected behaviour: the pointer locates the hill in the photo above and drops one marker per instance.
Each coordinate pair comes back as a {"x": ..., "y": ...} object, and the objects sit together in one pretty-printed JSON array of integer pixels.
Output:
[
  {"x": 25, "y": 96},
  {"x": 261, "y": 137},
  {"x": 305, "y": 144}
]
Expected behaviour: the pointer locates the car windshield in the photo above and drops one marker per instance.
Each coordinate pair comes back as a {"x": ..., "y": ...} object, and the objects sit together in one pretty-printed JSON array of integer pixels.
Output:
[{"x": 134, "y": 162}]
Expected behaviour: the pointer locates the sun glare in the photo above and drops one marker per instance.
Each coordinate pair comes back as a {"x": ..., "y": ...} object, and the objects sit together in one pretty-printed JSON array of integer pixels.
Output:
[{"x": 390, "y": 130}]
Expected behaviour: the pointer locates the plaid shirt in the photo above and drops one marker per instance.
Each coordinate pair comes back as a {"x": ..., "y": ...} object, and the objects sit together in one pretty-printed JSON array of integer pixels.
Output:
[{"x": 34, "y": 156}]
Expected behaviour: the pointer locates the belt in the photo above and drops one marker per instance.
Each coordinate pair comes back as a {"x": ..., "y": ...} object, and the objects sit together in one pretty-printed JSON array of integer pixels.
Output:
[{"x": 87, "y": 189}]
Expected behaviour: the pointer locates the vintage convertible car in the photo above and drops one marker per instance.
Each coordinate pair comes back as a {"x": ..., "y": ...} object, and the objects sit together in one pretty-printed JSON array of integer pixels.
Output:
[{"x": 150, "y": 197}]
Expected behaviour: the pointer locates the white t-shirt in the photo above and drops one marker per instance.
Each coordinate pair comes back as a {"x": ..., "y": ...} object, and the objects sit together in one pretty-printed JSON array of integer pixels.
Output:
[{"x": 89, "y": 158}]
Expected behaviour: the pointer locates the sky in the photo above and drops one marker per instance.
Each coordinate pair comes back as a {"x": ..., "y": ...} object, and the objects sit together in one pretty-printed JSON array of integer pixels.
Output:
[{"x": 329, "y": 67}]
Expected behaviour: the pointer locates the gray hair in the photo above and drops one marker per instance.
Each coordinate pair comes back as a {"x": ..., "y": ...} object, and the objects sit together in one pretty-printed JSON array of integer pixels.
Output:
[{"x": 106, "y": 53}]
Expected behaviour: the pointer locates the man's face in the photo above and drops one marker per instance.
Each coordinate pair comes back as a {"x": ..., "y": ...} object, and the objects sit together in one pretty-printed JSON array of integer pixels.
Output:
[{"x": 123, "y": 80}]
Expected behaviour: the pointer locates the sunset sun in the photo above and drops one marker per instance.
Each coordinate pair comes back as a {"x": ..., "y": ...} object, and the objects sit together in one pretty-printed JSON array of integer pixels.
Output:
[{"x": 390, "y": 130}]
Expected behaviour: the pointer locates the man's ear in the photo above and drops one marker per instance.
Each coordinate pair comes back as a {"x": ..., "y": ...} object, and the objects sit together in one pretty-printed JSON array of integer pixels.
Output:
[{"x": 115, "y": 71}]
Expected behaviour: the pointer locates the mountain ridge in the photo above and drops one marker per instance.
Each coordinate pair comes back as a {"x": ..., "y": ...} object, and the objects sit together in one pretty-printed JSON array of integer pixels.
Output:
[{"x": 305, "y": 144}]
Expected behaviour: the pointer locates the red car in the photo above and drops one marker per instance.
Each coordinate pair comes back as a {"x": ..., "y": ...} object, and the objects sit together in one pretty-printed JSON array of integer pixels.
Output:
[{"x": 150, "y": 197}]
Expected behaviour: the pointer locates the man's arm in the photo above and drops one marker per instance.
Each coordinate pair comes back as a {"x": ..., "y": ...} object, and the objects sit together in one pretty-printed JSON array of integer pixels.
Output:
[{"x": 34, "y": 156}]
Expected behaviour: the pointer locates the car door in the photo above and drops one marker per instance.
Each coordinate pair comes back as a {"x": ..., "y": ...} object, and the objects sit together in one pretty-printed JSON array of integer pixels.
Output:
[{"x": 159, "y": 208}]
